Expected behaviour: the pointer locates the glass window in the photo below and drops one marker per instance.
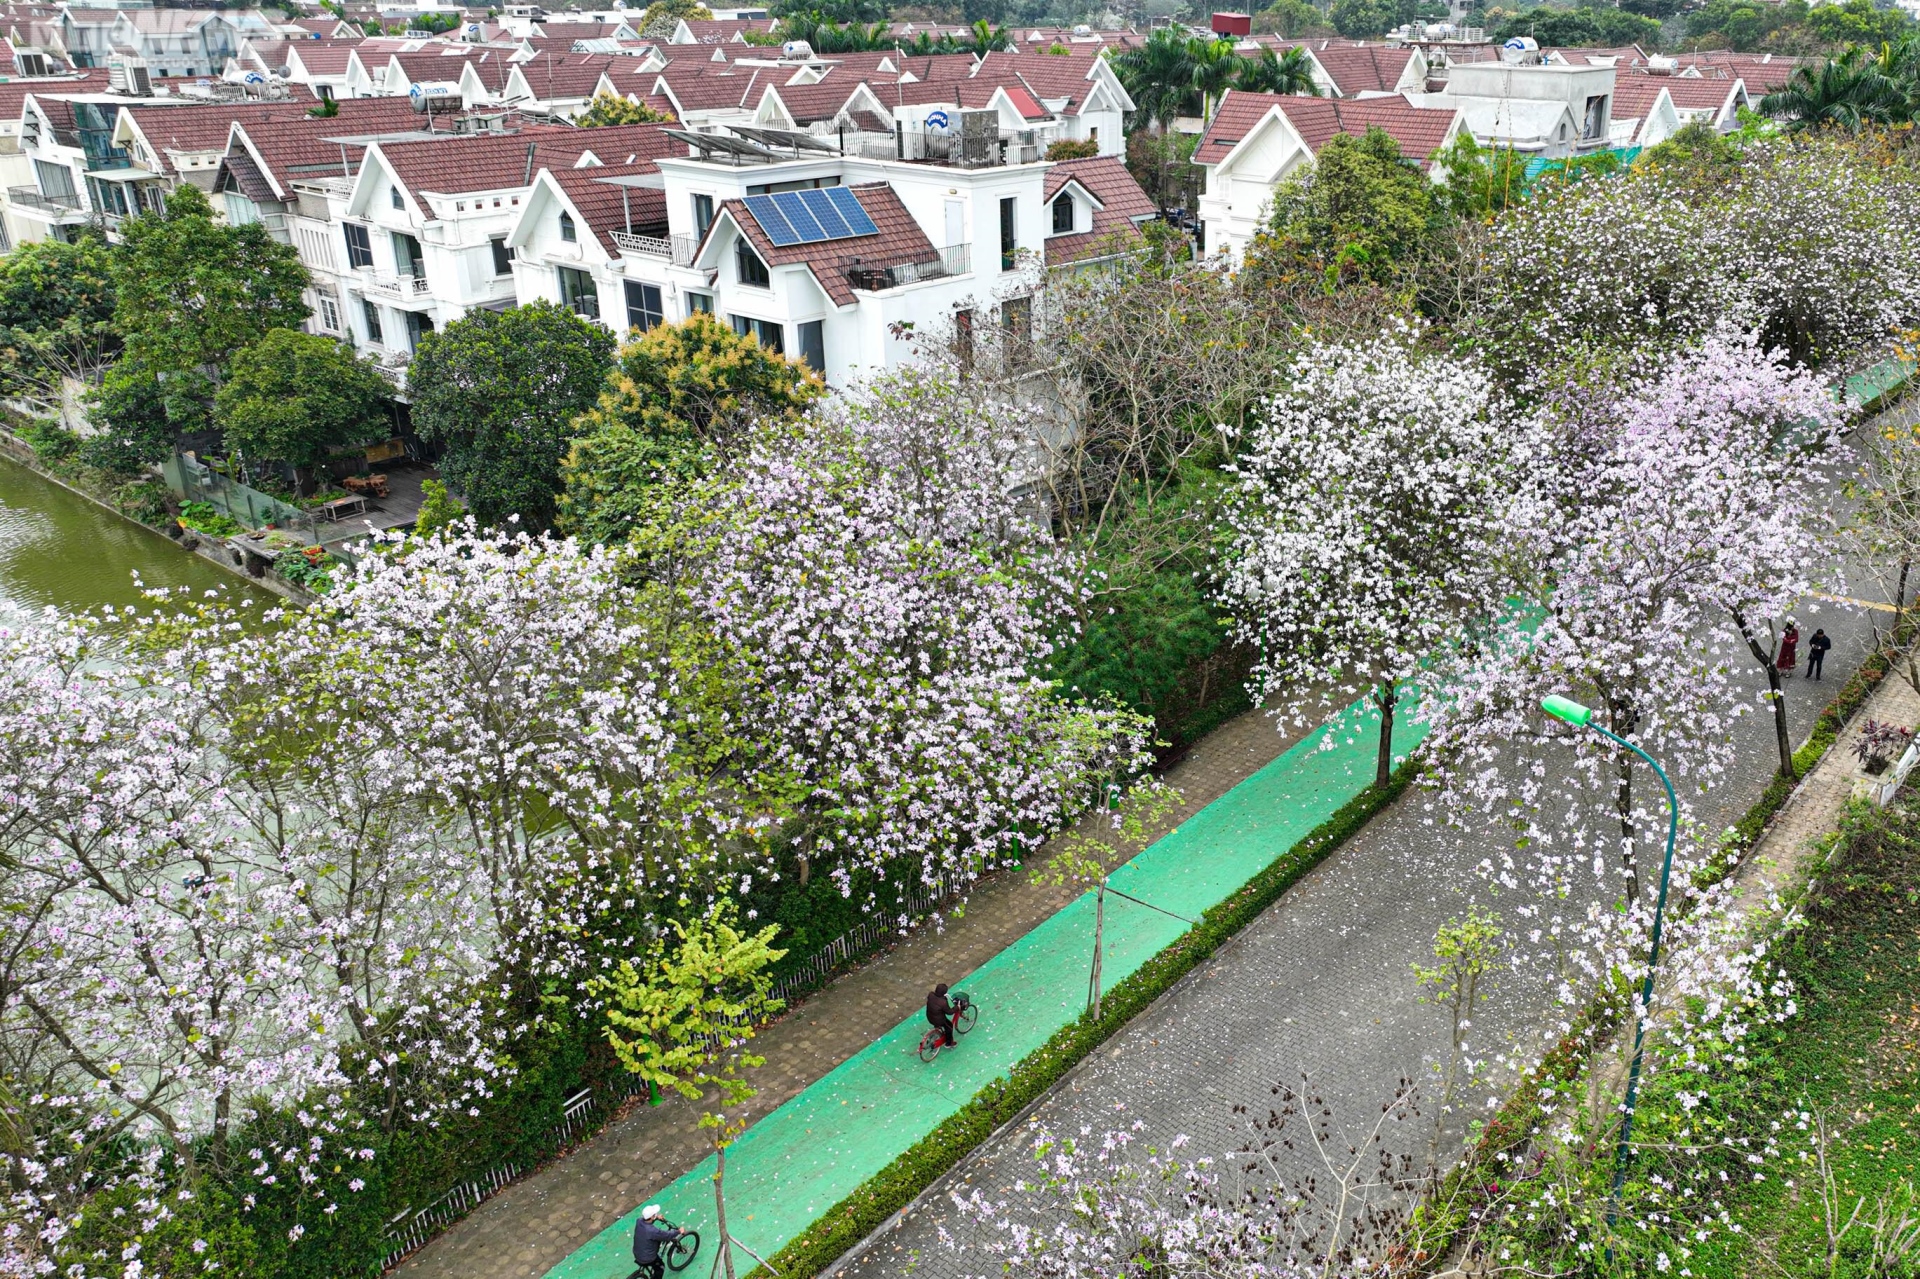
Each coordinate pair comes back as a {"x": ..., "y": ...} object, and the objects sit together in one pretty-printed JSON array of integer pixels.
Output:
[
  {"x": 771, "y": 336},
  {"x": 741, "y": 324},
  {"x": 418, "y": 326},
  {"x": 359, "y": 246},
  {"x": 1063, "y": 214},
  {"x": 502, "y": 256},
  {"x": 329, "y": 315},
  {"x": 643, "y": 306},
  {"x": 750, "y": 268},
  {"x": 567, "y": 229},
  {"x": 578, "y": 293},
  {"x": 399, "y": 201},
  {"x": 702, "y": 213},
  {"x": 1008, "y": 245},
  {"x": 963, "y": 338},
  {"x": 813, "y": 345},
  {"x": 372, "y": 314},
  {"x": 700, "y": 302},
  {"x": 407, "y": 257}
]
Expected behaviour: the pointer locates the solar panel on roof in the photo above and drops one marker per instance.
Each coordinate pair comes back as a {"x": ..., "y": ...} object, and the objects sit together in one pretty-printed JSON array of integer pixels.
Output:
[
  {"x": 808, "y": 227},
  {"x": 849, "y": 206},
  {"x": 811, "y": 217},
  {"x": 772, "y": 221}
]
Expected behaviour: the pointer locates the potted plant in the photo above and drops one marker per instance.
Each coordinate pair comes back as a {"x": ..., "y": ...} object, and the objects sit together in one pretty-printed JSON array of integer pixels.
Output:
[{"x": 1887, "y": 753}]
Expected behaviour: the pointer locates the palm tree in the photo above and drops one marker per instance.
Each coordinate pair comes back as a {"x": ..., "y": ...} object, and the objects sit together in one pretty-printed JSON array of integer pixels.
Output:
[
  {"x": 1158, "y": 77},
  {"x": 1289, "y": 72},
  {"x": 1847, "y": 92},
  {"x": 1212, "y": 65},
  {"x": 987, "y": 38}
]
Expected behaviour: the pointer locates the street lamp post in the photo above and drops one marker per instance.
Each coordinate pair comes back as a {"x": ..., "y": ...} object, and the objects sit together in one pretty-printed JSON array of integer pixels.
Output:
[{"x": 1565, "y": 708}]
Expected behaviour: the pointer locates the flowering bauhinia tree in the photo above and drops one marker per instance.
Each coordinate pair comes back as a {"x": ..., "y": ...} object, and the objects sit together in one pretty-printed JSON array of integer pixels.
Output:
[
  {"x": 1367, "y": 530},
  {"x": 890, "y": 595}
]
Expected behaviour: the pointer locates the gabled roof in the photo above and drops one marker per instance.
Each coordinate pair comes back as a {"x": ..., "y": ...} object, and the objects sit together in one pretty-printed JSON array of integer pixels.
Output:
[
  {"x": 607, "y": 206},
  {"x": 900, "y": 241},
  {"x": 320, "y": 57},
  {"x": 1121, "y": 206},
  {"x": 503, "y": 161},
  {"x": 806, "y": 104},
  {"x": 1317, "y": 120},
  {"x": 14, "y": 92},
  {"x": 550, "y": 78},
  {"x": 1363, "y": 69},
  {"x": 1635, "y": 96},
  {"x": 717, "y": 90},
  {"x": 289, "y": 150},
  {"x": 170, "y": 131},
  {"x": 714, "y": 31}
]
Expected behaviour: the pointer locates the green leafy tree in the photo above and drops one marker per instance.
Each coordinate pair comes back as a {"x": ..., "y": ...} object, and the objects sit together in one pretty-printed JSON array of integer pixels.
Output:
[
  {"x": 295, "y": 397},
  {"x": 840, "y": 11},
  {"x": 1481, "y": 181},
  {"x": 56, "y": 317},
  {"x": 1859, "y": 22},
  {"x": 1073, "y": 149},
  {"x": 1590, "y": 27},
  {"x": 674, "y": 399},
  {"x": 672, "y": 11},
  {"x": 1360, "y": 19},
  {"x": 190, "y": 292},
  {"x": 1360, "y": 211},
  {"x": 611, "y": 108},
  {"x": 1289, "y": 72},
  {"x": 327, "y": 110},
  {"x": 825, "y": 35},
  {"x": 1158, "y": 76},
  {"x": 680, "y": 1019},
  {"x": 1212, "y": 66},
  {"x": 135, "y": 426},
  {"x": 500, "y": 391},
  {"x": 438, "y": 509},
  {"x": 1289, "y": 18}
]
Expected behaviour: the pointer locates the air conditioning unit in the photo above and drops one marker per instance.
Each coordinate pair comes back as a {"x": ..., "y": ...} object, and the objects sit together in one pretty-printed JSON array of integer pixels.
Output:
[
  {"x": 979, "y": 137},
  {"x": 129, "y": 76}
]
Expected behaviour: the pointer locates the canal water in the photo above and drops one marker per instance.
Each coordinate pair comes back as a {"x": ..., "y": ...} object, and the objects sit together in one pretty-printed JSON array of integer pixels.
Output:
[{"x": 58, "y": 549}]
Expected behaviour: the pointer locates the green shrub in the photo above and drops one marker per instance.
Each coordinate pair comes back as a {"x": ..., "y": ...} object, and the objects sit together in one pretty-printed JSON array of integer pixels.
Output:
[
  {"x": 203, "y": 517},
  {"x": 307, "y": 569},
  {"x": 148, "y": 501},
  {"x": 49, "y": 441}
]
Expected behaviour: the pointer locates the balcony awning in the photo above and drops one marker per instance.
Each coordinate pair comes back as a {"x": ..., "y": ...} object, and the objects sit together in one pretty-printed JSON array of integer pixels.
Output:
[{"x": 123, "y": 175}]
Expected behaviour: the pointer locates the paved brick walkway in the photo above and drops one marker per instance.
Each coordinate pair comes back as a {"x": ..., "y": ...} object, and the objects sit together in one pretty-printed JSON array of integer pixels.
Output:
[
  {"x": 1320, "y": 984},
  {"x": 536, "y": 1223}
]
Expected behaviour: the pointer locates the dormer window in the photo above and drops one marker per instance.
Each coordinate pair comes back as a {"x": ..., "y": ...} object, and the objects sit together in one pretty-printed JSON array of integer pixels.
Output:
[
  {"x": 1063, "y": 214},
  {"x": 394, "y": 194},
  {"x": 750, "y": 268},
  {"x": 567, "y": 230}
]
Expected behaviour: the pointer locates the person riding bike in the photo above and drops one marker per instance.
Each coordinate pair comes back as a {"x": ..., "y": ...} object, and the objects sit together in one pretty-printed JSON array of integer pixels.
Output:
[
  {"x": 940, "y": 1015},
  {"x": 648, "y": 1235}
]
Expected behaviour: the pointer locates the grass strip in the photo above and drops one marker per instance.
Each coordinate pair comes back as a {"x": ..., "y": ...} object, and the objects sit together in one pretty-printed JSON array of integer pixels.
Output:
[
  {"x": 1473, "y": 1182},
  {"x": 901, "y": 1182}
]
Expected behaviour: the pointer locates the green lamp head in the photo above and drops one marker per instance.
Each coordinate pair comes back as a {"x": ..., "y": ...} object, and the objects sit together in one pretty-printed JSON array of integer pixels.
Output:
[{"x": 1567, "y": 709}]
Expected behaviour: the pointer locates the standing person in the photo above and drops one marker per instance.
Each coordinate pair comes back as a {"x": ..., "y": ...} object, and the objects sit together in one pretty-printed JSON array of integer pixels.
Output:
[
  {"x": 1789, "y": 649},
  {"x": 1817, "y": 653}
]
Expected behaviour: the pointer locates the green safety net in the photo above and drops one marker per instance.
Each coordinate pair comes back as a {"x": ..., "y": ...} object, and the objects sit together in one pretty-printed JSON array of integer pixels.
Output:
[{"x": 795, "y": 1164}]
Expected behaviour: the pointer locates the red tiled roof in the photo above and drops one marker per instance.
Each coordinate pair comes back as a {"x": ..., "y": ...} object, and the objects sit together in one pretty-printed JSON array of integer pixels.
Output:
[
  {"x": 900, "y": 241},
  {"x": 322, "y": 58},
  {"x": 1369, "y": 68},
  {"x": 1635, "y": 95},
  {"x": 307, "y": 146},
  {"x": 174, "y": 130},
  {"x": 712, "y": 91},
  {"x": 812, "y": 103},
  {"x": 551, "y": 77},
  {"x": 499, "y": 162},
  {"x": 715, "y": 31},
  {"x": 1419, "y": 132},
  {"x": 607, "y": 206},
  {"x": 1690, "y": 94},
  {"x": 1121, "y": 201},
  {"x": 14, "y": 93}
]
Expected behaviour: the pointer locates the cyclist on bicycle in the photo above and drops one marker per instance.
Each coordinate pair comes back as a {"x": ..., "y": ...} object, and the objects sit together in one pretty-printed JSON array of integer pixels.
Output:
[
  {"x": 940, "y": 1015},
  {"x": 648, "y": 1235}
]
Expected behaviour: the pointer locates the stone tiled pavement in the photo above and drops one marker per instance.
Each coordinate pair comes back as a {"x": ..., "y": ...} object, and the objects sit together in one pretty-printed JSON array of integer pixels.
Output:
[
  {"x": 1319, "y": 985},
  {"x": 534, "y": 1224}
]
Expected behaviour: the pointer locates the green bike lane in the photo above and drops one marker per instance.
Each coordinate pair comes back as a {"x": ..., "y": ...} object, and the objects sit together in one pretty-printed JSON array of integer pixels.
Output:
[{"x": 806, "y": 1156}]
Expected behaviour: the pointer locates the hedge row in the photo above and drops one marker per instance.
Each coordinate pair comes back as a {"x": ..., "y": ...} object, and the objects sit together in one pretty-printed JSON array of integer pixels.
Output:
[
  {"x": 902, "y": 1181},
  {"x": 1472, "y": 1183}
]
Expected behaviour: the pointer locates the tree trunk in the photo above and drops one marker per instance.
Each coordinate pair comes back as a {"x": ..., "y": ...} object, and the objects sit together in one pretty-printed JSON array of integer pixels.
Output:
[
  {"x": 1900, "y": 596},
  {"x": 1099, "y": 929},
  {"x": 1774, "y": 693},
  {"x": 1623, "y": 803},
  {"x": 720, "y": 1206},
  {"x": 1387, "y": 696}
]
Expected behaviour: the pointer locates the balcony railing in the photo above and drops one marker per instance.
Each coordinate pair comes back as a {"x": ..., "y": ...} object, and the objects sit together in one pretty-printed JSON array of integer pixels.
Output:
[
  {"x": 955, "y": 259},
  {"x": 33, "y": 198},
  {"x": 676, "y": 248},
  {"x": 397, "y": 286}
]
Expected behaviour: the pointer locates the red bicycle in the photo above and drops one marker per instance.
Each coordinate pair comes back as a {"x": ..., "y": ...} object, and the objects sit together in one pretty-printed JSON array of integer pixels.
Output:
[{"x": 965, "y": 1013}]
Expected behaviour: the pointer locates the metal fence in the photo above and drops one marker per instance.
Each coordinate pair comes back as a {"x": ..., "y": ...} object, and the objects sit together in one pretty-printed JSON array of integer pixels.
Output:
[{"x": 194, "y": 481}]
